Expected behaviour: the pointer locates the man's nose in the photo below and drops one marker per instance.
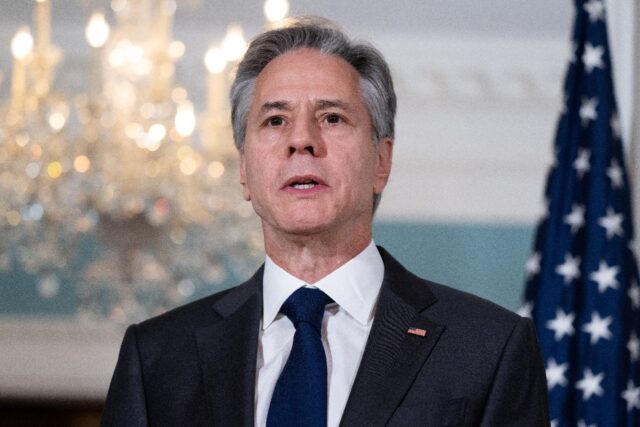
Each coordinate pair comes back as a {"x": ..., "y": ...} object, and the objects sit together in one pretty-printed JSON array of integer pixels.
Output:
[{"x": 306, "y": 138}]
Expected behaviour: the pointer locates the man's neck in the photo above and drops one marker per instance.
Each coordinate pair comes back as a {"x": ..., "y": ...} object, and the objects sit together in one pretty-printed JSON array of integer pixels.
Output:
[{"x": 310, "y": 258}]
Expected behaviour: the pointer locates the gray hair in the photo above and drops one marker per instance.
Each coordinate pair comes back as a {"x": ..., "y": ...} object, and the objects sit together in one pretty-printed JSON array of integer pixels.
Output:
[{"x": 321, "y": 34}]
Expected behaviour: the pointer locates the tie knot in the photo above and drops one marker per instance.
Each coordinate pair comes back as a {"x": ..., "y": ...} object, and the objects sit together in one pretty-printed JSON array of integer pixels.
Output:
[{"x": 306, "y": 305}]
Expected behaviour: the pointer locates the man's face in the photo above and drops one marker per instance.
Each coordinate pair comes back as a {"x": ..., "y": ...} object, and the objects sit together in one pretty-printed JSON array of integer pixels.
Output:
[{"x": 309, "y": 163}]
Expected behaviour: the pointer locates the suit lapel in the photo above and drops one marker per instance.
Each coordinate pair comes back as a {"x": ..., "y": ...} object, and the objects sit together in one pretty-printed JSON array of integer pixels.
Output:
[
  {"x": 227, "y": 351},
  {"x": 393, "y": 357}
]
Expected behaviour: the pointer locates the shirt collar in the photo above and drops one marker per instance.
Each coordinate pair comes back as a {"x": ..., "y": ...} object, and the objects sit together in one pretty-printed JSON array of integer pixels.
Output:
[{"x": 354, "y": 286}]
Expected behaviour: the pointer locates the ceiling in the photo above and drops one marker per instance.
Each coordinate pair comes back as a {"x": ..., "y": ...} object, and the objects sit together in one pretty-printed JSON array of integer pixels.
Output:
[
  {"x": 495, "y": 17},
  {"x": 200, "y": 23}
]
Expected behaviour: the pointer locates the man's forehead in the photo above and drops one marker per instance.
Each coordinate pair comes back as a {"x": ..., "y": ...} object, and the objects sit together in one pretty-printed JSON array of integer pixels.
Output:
[
  {"x": 306, "y": 66},
  {"x": 310, "y": 76},
  {"x": 306, "y": 54}
]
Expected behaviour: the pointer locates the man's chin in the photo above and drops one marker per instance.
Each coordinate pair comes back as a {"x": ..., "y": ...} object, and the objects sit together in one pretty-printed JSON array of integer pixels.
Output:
[
  {"x": 301, "y": 227},
  {"x": 306, "y": 229}
]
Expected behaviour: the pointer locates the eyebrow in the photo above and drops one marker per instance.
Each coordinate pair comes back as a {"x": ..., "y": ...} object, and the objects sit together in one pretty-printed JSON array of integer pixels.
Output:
[
  {"x": 333, "y": 103},
  {"x": 319, "y": 105},
  {"x": 275, "y": 105}
]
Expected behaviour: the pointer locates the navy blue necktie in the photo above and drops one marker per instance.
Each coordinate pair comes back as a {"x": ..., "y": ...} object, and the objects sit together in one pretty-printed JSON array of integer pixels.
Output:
[{"x": 300, "y": 395}]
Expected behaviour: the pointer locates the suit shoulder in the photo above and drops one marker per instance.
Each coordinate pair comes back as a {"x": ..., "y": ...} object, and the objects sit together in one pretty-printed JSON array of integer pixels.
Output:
[
  {"x": 470, "y": 312},
  {"x": 196, "y": 313},
  {"x": 477, "y": 305},
  {"x": 476, "y": 325},
  {"x": 443, "y": 303},
  {"x": 184, "y": 313}
]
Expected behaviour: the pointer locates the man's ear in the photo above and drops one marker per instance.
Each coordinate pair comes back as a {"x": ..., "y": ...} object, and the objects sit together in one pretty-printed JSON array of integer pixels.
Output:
[
  {"x": 243, "y": 177},
  {"x": 384, "y": 158}
]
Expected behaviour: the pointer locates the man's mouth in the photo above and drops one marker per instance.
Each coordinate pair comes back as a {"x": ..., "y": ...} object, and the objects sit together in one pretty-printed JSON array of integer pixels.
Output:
[
  {"x": 304, "y": 185},
  {"x": 303, "y": 182}
]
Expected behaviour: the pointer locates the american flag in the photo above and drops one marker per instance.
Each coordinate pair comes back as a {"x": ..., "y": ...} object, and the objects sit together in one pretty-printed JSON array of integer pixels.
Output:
[
  {"x": 582, "y": 278},
  {"x": 417, "y": 331}
]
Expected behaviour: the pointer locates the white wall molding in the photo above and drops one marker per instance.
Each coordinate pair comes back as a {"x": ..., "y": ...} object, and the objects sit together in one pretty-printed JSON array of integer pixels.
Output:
[
  {"x": 56, "y": 359},
  {"x": 476, "y": 123},
  {"x": 463, "y": 68}
]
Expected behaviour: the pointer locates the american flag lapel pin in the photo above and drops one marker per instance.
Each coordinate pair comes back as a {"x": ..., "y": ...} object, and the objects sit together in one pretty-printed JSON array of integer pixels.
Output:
[{"x": 417, "y": 331}]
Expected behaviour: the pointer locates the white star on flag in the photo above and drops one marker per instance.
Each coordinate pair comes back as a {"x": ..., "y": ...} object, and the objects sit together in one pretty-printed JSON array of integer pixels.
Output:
[
  {"x": 526, "y": 310},
  {"x": 632, "y": 396},
  {"x": 605, "y": 277},
  {"x": 562, "y": 324},
  {"x": 533, "y": 264},
  {"x": 590, "y": 384},
  {"x": 634, "y": 295},
  {"x": 581, "y": 164},
  {"x": 633, "y": 345},
  {"x": 592, "y": 57},
  {"x": 569, "y": 269},
  {"x": 555, "y": 374},
  {"x": 598, "y": 327},
  {"x": 612, "y": 222},
  {"x": 554, "y": 423},
  {"x": 614, "y": 172},
  {"x": 588, "y": 110},
  {"x": 575, "y": 218},
  {"x": 595, "y": 9}
]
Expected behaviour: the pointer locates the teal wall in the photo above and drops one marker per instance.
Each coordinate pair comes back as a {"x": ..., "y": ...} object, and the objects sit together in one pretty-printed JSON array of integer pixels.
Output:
[{"x": 487, "y": 260}]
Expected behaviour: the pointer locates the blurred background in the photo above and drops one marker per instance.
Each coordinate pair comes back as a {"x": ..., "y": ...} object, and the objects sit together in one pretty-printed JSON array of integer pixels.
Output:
[{"x": 118, "y": 180}]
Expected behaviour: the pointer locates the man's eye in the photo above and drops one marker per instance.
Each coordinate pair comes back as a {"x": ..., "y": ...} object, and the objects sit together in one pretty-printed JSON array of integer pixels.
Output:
[
  {"x": 275, "y": 121},
  {"x": 333, "y": 118}
]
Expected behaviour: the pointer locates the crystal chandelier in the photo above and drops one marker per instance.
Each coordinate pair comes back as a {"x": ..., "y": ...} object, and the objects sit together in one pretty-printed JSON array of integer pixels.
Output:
[{"x": 123, "y": 193}]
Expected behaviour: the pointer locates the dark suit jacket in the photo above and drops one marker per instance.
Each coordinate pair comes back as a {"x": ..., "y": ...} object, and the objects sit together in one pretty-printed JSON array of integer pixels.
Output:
[{"x": 478, "y": 364}]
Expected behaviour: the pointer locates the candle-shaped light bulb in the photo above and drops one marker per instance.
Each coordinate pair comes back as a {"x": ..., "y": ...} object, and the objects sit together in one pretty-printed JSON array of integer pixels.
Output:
[
  {"x": 276, "y": 10},
  {"x": 165, "y": 22},
  {"x": 215, "y": 60},
  {"x": 234, "y": 44},
  {"x": 43, "y": 24},
  {"x": 97, "y": 31},
  {"x": 22, "y": 44},
  {"x": 97, "y": 34},
  {"x": 21, "y": 47},
  {"x": 185, "y": 120}
]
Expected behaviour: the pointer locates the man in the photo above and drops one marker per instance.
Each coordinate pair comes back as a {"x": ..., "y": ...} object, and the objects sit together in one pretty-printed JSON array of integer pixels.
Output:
[{"x": 313, "y": 119}]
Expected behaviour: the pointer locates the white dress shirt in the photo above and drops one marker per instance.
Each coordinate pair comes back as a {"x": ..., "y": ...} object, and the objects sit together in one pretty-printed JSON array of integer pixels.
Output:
[{"x": 354, "y": 288}]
